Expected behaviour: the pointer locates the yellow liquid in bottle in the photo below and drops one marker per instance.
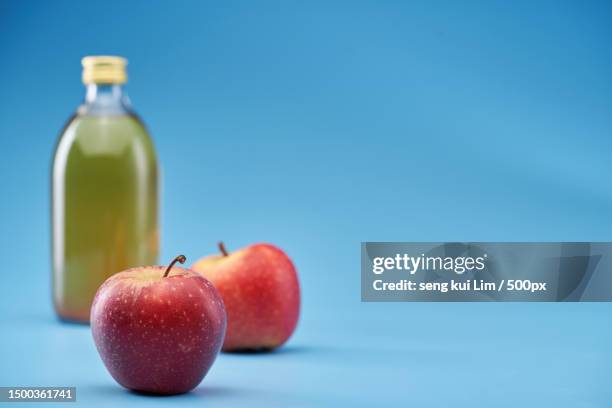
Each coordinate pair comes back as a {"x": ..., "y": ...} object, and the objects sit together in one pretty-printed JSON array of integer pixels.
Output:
[{"x": 104, "y": 207}]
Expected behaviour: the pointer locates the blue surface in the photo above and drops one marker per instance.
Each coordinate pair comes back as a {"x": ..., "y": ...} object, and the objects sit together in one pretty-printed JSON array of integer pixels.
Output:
[{"x": 316, "y": 126}]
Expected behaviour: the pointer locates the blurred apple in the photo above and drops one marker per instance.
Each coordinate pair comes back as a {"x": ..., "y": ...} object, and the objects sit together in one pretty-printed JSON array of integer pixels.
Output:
[
  {"x": 260, "y": 290},
  {"x": 158, "y": 330}
]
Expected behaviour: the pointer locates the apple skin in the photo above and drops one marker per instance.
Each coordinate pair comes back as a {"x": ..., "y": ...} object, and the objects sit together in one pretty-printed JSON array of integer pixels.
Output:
[
  {"x": 261, "y": 293},
  {"x": 156, "y": 334}
]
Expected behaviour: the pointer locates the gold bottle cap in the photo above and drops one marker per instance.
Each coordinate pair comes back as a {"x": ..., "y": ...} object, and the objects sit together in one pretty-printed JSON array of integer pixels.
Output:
[{"x": 104, "y": 69}]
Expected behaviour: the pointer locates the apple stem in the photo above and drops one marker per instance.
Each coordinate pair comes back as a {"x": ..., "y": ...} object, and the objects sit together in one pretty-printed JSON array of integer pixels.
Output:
[
  {"x": 180, "y": 258},
  {"x": 222, "y": 249}
]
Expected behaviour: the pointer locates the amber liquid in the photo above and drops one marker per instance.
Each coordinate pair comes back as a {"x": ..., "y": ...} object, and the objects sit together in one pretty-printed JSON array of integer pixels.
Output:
[{"x": 104, "y": 207}]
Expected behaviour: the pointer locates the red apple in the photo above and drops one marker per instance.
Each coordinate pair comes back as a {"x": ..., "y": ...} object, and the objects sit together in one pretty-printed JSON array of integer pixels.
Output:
[
  {"x": 158, "y": 332},
  {"x": 261, "y": 293}
]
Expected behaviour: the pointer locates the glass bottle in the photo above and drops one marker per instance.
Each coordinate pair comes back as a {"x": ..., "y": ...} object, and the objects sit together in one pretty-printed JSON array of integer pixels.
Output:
[{"x": 104, "y": 192}]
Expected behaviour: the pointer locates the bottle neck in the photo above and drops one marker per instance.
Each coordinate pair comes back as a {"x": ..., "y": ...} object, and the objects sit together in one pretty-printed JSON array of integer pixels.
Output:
[{"x": 106, "y": 98}]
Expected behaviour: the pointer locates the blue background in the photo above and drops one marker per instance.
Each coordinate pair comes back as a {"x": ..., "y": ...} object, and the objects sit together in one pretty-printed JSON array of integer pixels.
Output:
[{"x": 315, "y": 126}]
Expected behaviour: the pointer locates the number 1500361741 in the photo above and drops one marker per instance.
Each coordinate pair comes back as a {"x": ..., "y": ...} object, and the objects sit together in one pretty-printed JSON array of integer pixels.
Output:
[{"x": 37, "y": 394}]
